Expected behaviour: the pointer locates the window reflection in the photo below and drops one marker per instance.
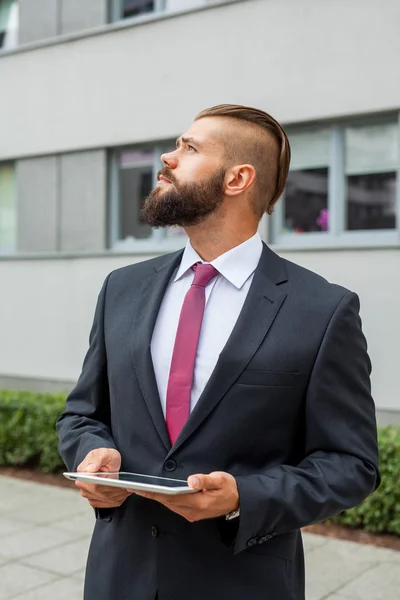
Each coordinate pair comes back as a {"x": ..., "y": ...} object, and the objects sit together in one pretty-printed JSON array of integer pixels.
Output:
[
  {"x": 8, "y": 24},
  {"x": 371, "y": 201},
  {"x": 372, "y": 154},
  {"x": 135, "y": 180},
  {"x": 306, "y": 201},
  {"x": 8, "y": 208},
  {"x": 133, "y": 8}
]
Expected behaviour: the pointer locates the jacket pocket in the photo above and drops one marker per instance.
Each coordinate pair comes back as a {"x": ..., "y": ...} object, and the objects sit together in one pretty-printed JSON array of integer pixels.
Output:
[{"x": 269, "y": 378}]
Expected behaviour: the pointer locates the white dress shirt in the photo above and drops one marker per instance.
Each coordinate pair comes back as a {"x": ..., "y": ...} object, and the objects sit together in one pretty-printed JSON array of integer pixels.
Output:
[{"x": 225, "y": 296}]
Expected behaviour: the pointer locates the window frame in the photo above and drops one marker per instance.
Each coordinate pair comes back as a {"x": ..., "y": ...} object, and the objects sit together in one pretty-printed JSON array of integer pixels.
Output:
[
  {"x": 159, "y": 241},
  {"x": 337, "y": 201}
]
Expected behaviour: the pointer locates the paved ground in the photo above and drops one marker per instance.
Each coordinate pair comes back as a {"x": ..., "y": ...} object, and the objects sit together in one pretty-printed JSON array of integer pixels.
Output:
[{"x": 45, "y": 533}]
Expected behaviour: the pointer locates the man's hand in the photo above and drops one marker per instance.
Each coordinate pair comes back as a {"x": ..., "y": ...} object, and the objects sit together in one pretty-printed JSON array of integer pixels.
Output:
[
  {"x": 218, "y": 495},
  {"x": 106, "y": 460}
]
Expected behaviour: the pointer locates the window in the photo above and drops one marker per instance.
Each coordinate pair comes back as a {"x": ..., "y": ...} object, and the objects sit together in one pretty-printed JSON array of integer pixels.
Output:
[
  {"x": 8, "y": 24},
  {"x": 125, "y": 9},
  {"x": 8, "y": 224},
  {"x": 133, "y": 174},
  {"x": 343, "y": 185},
  {"x": 372, "y": 158}
]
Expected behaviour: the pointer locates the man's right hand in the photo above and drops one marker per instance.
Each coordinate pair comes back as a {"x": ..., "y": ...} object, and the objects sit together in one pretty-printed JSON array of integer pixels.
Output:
[{"x": 100, "y": 496}]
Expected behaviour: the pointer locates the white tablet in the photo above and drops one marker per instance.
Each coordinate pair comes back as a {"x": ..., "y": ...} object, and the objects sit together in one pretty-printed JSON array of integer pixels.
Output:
[{"x": 135, "y": 481}]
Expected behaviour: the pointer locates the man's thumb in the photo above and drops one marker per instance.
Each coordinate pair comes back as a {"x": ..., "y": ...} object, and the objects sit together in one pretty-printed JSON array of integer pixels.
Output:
[{"x": 93, "y": 467}]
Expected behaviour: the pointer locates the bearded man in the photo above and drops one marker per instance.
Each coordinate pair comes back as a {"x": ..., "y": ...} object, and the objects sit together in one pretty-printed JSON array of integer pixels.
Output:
[{"x": 228, "y": 366}]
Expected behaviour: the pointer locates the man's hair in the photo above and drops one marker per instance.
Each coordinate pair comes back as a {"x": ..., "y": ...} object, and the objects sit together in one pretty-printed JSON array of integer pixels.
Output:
[{"x": 269, "y": 154}]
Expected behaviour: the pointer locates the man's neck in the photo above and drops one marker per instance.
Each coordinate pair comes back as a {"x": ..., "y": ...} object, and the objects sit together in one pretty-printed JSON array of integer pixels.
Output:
[{"x": 210, "y": 242}]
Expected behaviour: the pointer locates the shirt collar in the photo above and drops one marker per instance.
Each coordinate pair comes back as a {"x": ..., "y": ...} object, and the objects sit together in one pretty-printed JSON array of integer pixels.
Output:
[{"x": 236, "y": 265}]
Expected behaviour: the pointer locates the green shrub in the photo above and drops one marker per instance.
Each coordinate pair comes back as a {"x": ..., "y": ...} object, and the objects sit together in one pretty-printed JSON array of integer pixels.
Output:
[
  {"x": 28, "y": 436},
  {"x": 380, "y": 512},
  {"x": 27, "y": 429}
]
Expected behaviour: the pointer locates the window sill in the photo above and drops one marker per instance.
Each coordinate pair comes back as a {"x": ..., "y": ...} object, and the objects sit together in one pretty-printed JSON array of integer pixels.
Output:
[
  {"x": 352, "y": 241},
  {"x": 140, "y": 249},
  {"x": 114, "y": 26}
]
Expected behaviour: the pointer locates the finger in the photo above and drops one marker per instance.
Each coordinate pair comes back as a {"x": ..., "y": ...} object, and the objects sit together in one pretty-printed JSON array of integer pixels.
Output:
[
  {"x": 110, "y": 498},
  {"x": 213, "y": 481},
  {"x": 99, "y": 459},
  {"x": 99, "y": 504},
  {"x": 93, "y": 461},
  {"x": 178, "y": 504}
]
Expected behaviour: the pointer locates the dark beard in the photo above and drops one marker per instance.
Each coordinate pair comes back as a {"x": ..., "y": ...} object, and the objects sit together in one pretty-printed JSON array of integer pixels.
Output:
[{"x": 183, "y": 204}]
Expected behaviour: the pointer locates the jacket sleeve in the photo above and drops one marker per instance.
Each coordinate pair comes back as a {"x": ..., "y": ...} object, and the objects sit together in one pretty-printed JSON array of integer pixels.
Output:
[
  {"x": 340, "y": 467},
  {"x": 85, "y": 423}
]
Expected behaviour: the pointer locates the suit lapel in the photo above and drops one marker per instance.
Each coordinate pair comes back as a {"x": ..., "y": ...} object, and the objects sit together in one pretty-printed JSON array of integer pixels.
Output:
[
  {"x": 148, "y": 306},
  {"x": 261, "y": 306}
]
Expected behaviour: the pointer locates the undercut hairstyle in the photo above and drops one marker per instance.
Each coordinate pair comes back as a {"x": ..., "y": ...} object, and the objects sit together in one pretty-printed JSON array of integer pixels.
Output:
[{"x": 256, "y": 138}]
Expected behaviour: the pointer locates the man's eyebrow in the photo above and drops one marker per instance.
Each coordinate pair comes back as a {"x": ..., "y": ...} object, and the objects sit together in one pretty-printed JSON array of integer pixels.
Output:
[{"x": 187, "y": 140}]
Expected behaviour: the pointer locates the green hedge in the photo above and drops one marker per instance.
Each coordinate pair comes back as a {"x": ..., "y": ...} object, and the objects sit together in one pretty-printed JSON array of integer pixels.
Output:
[
  {"x": 380, "y": 512},
  {"x": 28, "y": 437},
  {"x": 27, "y": 429}
]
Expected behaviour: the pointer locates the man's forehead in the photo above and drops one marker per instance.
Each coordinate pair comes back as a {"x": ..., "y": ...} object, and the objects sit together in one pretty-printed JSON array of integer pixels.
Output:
[{"x": 206, "y": 131}]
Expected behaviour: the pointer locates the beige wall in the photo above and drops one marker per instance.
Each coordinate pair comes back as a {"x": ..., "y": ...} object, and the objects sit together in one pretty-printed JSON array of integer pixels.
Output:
[
  {"x": 148, "y": 81},
  {"x": 46, "y": 310}
]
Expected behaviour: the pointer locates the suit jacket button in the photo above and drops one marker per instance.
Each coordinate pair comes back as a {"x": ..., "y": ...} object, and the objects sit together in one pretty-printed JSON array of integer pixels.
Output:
[
  {"x": 264, "y": 538},
  {"x": 154, "y": 531},
  {"x": 252, "y": 542},
  {"x": 170, "y": 465}
]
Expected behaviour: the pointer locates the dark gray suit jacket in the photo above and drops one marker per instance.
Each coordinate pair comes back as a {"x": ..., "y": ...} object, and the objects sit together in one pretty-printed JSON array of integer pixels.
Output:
[{"x": 287, "y": 411}]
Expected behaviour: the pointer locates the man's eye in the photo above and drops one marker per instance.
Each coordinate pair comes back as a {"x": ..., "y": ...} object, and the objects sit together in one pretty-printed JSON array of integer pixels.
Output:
[{"x": 191, "y": 148}]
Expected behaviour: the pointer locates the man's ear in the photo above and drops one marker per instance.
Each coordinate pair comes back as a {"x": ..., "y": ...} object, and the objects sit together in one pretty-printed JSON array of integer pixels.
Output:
[{"x": 238, "y": 179}]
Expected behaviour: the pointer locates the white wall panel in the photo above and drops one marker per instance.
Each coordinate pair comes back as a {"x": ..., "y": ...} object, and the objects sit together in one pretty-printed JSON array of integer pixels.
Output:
[{"x": 298, "y": 59}]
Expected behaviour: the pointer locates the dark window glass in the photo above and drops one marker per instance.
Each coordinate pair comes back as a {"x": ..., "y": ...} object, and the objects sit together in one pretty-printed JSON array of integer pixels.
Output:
[
  {"x": 135, "y": 183},
  {"x": 306, "y": 201},
  {"x": 133, "y": 8},
  {"x": 371, "y": 201}
]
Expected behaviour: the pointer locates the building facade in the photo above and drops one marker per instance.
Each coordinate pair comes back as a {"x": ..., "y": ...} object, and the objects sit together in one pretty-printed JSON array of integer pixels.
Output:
[{"x": 92, "y": 92}]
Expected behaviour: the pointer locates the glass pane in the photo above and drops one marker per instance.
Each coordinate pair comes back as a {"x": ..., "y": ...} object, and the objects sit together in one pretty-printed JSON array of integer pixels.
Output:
[
  {"x": 306, "y": 201},
  {"x": 372, "y": 149},
  {"x": 8, "y": 201},
  {"x": 133, "y": 8},
  {"x": 371, "y": 201},
  {"x": 135, "y": 178},
  {"x": 310, "y": 148},
  {"x": 8, "y": 24},
  {"x": 372, "y": 157}
]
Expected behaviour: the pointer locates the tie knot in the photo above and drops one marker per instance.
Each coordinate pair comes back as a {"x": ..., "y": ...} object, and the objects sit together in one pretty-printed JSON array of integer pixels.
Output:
[{"x": 203, "y": 274}]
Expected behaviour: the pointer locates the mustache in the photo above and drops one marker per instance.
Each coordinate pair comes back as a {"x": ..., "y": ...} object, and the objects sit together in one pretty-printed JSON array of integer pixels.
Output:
[{"x": 165, "y": 172}]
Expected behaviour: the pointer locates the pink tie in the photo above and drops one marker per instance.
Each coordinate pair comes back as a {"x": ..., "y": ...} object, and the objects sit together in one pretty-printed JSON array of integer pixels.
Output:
[{"x": 185, "y": 349}]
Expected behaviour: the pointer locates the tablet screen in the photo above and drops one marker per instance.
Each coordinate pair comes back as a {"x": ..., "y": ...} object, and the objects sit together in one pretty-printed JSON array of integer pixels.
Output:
[{"x": 146, "y": 479}]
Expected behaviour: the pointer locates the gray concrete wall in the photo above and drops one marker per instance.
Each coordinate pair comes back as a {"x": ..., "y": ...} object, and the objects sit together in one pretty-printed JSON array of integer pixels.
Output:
[
  {"x": 37, "y": 185},
  {"x": 130, "y": 84},
  {"x": 78, "y": 15},
  {"x": 83, "y": 201},
  {"x": 38, "y": 20}
]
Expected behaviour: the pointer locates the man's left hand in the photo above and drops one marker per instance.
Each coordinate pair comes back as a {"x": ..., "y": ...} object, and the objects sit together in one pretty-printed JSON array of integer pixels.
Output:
[{"x": 218, "y": 495}]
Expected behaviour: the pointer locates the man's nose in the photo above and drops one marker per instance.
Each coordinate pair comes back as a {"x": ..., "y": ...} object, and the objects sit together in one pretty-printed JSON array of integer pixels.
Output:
[{"x": 169, "y": 159}]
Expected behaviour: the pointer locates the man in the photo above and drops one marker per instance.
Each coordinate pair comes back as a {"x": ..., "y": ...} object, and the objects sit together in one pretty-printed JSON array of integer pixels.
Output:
[{"x": 226, "y": 365}]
